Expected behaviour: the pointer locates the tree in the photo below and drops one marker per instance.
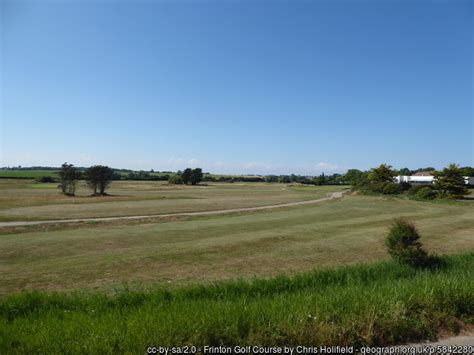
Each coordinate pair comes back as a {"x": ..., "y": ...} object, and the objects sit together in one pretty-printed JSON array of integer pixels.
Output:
[
  {"x": 285, "y": 179},
  {"x": 271, "y": 178},
  {"x": 467, "y": 171},
  {"x": 428, "y": 168},
  {"x": 404, "y": 171},
  {"x": 68, "y": 178},
  {"x": 99, "y": 178},
  {"x": 450, "y": 182},
  {"x": 403, "y": 243},
  {"x": 320, "y": 180},
  {"x": 355, "y": 177},
  {"x": 196, "y": 176},
  {"x": 383, "y": 173},
  {"x": 186, "y": 176}
]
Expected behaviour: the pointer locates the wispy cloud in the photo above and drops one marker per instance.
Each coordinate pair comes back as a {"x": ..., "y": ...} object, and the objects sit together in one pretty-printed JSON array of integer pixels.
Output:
[{"x": 328, "y": 167}]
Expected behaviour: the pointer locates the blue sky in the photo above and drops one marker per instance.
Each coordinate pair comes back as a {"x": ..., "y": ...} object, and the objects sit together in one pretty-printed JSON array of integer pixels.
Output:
[{"x": 237, "y": 86}]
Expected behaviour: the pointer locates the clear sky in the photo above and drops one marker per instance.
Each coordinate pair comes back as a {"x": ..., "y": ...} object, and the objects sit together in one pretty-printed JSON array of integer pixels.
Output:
[{"x": 237, "y": 86}]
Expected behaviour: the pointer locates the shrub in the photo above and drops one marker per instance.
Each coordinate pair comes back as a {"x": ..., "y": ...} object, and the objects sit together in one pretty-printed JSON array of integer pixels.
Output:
[
  {"x": 426, "y": 193},
  {"x": 405, "y": 186},
  {"x": 404, "y": 246},
  {"x": 175, "y": 179},
  {"x": 412, "y": 191},
  {"x": 45, "y": 179},
  {"x": 391, "y": 189}
]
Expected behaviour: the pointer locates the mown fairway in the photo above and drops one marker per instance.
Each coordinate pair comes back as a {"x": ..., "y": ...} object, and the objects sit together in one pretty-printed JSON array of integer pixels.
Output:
[
  {"x": 27, "y": 200},
  {"x": 264, "y": 243}
]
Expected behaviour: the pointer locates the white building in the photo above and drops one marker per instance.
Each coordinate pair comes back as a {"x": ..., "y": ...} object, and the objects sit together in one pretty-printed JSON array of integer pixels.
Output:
[{"x": 425, "y": 179}]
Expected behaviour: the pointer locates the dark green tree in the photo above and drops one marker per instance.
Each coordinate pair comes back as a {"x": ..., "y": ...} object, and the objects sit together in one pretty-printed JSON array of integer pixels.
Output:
[
  {"x": 99, "y": 178},
  {"x": 196, "y": 176},
  {"x": 271, "y": 178},
  {"x": 404, "y": 171},
  {"x": 467, "y": 171},
  {"x": 450, "y": 182},
  {"x": 355, "y": 177},
  {"x": 285, "y": 179},
  {"x": 68, "y": 176},
  {"x": 186, "y": 175},
  {"x": 383, "y": 173},
  {"x": 320, "y": 180}
]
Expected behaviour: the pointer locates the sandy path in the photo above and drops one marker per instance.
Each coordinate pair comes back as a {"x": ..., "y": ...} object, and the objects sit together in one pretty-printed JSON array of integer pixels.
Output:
[
  {"x": 331, "y": 196},
  {"x": 466, "y": 339}
]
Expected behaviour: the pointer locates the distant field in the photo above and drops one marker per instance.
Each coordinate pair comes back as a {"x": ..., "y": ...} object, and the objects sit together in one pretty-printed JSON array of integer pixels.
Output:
[
  {"x": 27, "y": 200},
  {"x": 27, "y": 174},
  {"x": 261, "y": 243}
]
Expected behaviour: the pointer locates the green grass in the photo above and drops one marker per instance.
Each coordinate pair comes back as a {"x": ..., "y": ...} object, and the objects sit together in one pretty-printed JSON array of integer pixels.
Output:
[
  {"x": 369, "y": 304},
  {"x": 27, "y": 174},
  {"x": 265, "y": 243}
]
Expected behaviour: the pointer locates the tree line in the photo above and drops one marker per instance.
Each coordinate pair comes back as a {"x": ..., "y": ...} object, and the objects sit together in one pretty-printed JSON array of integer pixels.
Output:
[
  {"x": 448, "y": 182},
  {"x": 99, "y": 178}
]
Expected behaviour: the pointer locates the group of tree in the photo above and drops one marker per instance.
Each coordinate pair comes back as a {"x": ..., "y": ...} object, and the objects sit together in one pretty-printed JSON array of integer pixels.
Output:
[
  {"x": 232, "y": 178},
  {"x": 68, "y": 176},
  {"x": 97, "y": 177},
  {"x": 448, "y": 183},
  {"x": 334, "y": 179},
  {"x": 188, "y": 176},
  {"x": 145, "y": 176}
]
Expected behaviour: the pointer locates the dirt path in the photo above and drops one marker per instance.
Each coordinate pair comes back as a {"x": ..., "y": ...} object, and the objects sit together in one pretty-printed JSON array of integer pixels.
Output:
[
  {"x": 334, "y": 195},
  {"x": 466, "y": 339}
]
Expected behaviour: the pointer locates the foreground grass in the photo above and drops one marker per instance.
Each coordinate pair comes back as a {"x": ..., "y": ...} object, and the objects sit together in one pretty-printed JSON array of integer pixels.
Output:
[{"x": 368, "y": 304}]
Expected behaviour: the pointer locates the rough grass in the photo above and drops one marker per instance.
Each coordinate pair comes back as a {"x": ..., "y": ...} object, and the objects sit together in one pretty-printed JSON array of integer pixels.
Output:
[
  {"x": 26, "y": 200},
  {"x": 369, "y": 304}
]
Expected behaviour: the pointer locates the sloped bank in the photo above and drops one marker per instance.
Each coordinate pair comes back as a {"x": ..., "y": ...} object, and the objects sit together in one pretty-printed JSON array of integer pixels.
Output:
[{"x": 370, "y": 304}]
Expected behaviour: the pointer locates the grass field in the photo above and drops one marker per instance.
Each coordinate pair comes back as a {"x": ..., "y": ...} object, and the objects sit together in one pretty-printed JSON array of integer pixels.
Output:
[
  {"x": 264, "y": 243},
  {"x": 362, "y": 305},
  {"x": 27, "y": 174},
  {"x": 123, "y": 285},
  {"x": 27, "y": 200}
]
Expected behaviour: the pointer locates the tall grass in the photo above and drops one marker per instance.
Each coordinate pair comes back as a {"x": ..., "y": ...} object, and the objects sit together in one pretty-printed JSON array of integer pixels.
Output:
[{"x": 370, "y": 304}]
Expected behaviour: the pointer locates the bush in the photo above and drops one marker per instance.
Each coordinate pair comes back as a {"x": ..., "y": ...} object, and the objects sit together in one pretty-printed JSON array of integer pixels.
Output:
[
  {"x": 391, "y": 189},
  {"x": 405, "y": 186},
  {"x": 426, "y": 193},
  {"x": 412, "y": 191},
  {"x": 45, "y": 179},
  {"x": 175, "y": 179},
  {"x": 404, "y": 246},
  {"x": 386, "y": 188}
]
